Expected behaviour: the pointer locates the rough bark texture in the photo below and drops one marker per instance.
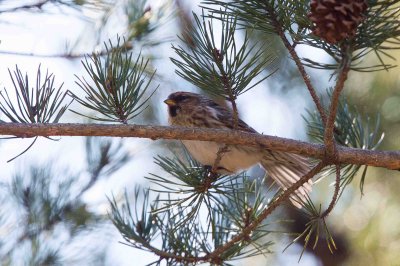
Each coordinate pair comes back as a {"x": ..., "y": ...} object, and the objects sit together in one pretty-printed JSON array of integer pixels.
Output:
[{"x": 386, "y": 159}]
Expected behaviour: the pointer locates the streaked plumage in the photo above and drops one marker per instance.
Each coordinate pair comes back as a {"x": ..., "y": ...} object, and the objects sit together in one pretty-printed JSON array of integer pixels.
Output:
[{"x": 195, "y": 110}]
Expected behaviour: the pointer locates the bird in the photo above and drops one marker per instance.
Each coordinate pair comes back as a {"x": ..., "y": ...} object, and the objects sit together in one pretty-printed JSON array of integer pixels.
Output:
[{"x": 188, "y": 109}]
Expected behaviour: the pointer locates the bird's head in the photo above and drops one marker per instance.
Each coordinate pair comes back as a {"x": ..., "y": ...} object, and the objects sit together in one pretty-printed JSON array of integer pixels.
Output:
[{"x": 182, "y": 103}]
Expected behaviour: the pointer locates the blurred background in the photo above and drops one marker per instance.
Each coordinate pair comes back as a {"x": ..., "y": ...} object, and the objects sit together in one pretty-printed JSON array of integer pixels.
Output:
[{"x": 54, "y": 207}]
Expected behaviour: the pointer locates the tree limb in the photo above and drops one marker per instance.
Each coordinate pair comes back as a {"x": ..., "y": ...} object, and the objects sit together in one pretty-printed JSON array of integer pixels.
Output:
[{"x": 386, "y": 159}]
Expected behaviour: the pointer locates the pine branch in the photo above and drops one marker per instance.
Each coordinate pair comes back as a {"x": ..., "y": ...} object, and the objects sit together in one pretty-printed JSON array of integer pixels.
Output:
[
  {"x": 269, "y": 17},
  {"x": 352, "y": 129},
  {"x": 127, "y": 46},
  {"x": 335, "y": 195},
  {"x": 32, "y": 6},
  {"x": 272, "y": 206},
  {"x": 227, "y": 68},
  {"x": 42, "y": 103},
  {"x": 247, "y": 227},
  {"x": 119, "y": 88},
  {"x": 330, "y": 123},
  {"x": 386, "y": 159},
  {"x": 291, "y": 49}
]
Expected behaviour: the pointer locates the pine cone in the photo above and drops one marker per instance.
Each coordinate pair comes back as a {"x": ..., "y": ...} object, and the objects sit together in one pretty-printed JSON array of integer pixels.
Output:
[{"x": 335, "y": 20}]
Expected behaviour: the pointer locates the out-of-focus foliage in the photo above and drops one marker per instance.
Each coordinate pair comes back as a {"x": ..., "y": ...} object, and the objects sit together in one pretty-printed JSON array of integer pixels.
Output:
[
  {"x": 372, "y": 221},
  {"x": 44, "y": 218},
  {"x": 47, "y": 209}
]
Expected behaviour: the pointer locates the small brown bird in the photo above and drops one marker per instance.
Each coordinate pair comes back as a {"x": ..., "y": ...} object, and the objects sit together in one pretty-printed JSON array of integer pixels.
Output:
[{"x": 194, "y": 110}]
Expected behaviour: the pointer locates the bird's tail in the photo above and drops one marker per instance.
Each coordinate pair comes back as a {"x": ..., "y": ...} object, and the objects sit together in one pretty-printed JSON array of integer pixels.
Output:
[{"x": 286, "y": 169}]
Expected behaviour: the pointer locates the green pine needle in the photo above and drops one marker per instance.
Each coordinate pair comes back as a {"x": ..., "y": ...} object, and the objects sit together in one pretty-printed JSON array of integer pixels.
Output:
[
  {"x": 119, "y": 88},
  {"x": 351, "y": 130},
  {"x": 224, "y": 68},
  {"x": 41, "y": 103}
]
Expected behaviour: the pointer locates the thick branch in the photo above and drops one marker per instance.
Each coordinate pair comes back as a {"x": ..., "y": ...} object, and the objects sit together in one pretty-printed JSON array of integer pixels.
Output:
[{"x": 386, "y": 159}]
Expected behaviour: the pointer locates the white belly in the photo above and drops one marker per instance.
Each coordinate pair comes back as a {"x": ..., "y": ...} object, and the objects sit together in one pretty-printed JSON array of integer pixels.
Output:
[{"x": 234, "y": 160}]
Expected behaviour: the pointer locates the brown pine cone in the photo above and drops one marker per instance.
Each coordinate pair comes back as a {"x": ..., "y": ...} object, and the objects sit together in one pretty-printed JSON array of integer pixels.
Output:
[{"x": 335, "y": 20}]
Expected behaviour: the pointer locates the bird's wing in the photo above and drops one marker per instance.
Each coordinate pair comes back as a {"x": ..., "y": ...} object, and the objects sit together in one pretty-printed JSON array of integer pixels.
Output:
[{"x": 226, "y": 116}]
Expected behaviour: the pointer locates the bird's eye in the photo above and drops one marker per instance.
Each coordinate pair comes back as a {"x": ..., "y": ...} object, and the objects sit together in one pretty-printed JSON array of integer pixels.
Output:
[{"x": 173, "y": 110}]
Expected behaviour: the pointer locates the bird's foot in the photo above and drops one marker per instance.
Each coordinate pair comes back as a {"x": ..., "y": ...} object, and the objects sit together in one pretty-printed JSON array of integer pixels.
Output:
[{"x": 210, "y": 173}]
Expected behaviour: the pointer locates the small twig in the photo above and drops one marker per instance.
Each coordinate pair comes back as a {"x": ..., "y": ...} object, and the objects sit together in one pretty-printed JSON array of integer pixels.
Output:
[
  {"x": 218, "y": 159},
  {"x": 128, "y": 46},
  {"x": 37, "y": 5},
  {"x": 330, "y": 123},
  {"x": 296, "y": 59},
  {"x": 228, "y": 88},
  {"x": 167, "y": 255},
  {"x": 335, "y": 195}
]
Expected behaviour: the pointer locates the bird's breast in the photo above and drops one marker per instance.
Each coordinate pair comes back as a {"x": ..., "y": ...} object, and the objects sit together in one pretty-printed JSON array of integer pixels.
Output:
[{"x": 234, "y": 160}]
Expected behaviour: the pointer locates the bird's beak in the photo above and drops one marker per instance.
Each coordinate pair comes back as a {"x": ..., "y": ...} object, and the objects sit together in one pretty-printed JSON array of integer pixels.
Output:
[{"x": 170, "y": 102}]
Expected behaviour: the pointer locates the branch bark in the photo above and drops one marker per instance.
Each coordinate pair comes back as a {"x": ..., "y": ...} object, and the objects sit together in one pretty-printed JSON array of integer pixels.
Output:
[
  {"x": 330, "y": 123},
  {"x": 335, "y": 195},
  {"x": 386, "y": 159}
]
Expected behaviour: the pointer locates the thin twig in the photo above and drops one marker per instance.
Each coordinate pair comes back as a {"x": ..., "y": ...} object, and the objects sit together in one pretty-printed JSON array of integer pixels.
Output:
[
  {"x": 386, "y": 159},
  {"x": 335, "y": 195},
  {"x": 228, "y": 88},
  {"x": 167, "y": 255},
  {"x": 68, "y": 55},
  {"x": 61, "y": 55},
  {"x": 220, "y": 153},
  {"x": 37, "y": 5},
  {"x": 291, "y": 48},
  {"x": 330, "y": 123}
]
